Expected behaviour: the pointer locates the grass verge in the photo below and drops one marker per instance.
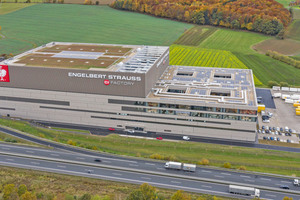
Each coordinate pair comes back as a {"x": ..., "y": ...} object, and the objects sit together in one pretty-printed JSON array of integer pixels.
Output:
[
  {"x": 50, "y": 186},
  {"x": 70, "y": 130},
  {"x": 11, "y": 139},
  {"x": 260, "y": 160}
]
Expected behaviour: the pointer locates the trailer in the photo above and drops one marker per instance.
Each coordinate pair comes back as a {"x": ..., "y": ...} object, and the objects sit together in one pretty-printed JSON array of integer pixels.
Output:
[
  {"x": 180, "y": 166},
  {"x": 249, "y": 191}
]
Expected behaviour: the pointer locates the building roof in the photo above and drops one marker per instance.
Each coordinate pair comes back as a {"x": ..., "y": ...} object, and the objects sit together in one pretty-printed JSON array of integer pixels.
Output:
[
  {"x": 206, "y": 85},
  {"x": 105, "y": 57}
]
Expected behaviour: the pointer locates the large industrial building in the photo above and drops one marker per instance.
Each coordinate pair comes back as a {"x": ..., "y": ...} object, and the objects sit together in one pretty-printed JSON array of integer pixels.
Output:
[{"x": 128, "y": 87}]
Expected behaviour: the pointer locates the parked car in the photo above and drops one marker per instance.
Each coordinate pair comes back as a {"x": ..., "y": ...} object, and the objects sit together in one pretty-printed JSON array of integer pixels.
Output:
[
  {"x": 159, "y": 138},
  {"x": 284, "y": 187},
  {"x": 111, "y": 129},
  {"x": 279, "y": 133},
  {"x": 270, "y": 115},
  {"x": 264, "y": 137},
  {"x": 262, "y": 127},
  {"x": 286, "y": 134},
  {"x": 267, "y": 128},
  {"x": 276, "y": 132},
  {"x": 278, "y": 139},
  {"x": 267, "y": 131},
  {"x": 188, "y": 138},
  {"x": 290, "y": 131},
  {"x": 271, "y": 138},
  {"x": 263, "y": 131},
  {"x": 270, "y": 128},
  {"x": 268, "y": 138},
  {"x": 289, "y": 134},
  {"x": 281, "y": 129},
  {"x": 275, "y": 138},
  {"x": 286, "y": 129},
  {"x": 259, "y": 131},
  {"x": 277, "y": 128},
  {"x": 288, "y": 141}
]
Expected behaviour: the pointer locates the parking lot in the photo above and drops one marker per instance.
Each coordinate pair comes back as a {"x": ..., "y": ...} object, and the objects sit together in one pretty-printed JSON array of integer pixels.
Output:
[{"x": 283, "y": 116}]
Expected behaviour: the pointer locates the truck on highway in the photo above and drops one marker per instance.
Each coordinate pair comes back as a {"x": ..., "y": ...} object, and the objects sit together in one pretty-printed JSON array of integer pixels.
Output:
[
  {"x": 249, "y": 191},
  {"x": 180, "y": 166},
  {"x": 296, "y": 182}
]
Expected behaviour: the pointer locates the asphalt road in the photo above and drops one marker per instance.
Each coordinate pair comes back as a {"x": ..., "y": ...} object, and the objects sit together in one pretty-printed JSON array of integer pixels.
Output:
[
  {"x": 132, "y": 177},
  {"x": 216, "y": 175},
  {"x": 104, "y": 131}
]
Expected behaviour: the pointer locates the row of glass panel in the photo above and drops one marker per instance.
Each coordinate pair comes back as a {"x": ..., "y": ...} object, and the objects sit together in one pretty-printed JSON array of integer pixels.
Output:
[
  {"x": 202, "y": 108},
  {"x": 197, "y": 114}
]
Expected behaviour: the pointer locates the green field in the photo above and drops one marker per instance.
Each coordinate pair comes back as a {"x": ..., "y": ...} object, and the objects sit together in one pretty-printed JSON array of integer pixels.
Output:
[
  {"x": 43, "y": 23},
  {"x": 11, "y": 7},
  {"x": 195, "y": 35},
  {"x": 294, "y": 30},
  {"x": 239, "y": 43},
  {"x": 261, "y": 160}
]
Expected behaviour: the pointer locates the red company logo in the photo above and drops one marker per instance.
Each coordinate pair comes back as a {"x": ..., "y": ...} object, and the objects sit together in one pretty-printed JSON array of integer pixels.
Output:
[
  {"x": 106, "y": 82},
  {"x": 4, "y": 75}
]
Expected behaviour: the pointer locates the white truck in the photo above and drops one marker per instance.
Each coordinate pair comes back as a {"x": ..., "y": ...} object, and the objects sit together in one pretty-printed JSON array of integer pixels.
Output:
[
  {"x": 180, "y": 166},
  {"x": 249, "y": 191},
  {"x": 296, "y": 182}
]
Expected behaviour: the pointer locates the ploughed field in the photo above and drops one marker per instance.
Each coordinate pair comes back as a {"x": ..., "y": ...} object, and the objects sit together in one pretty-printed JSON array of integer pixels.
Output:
[{"x": 44, "y": 23}]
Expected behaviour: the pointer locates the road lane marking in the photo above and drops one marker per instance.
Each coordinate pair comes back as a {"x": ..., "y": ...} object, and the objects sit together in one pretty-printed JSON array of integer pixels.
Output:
[
  {"x": 80, "y": 158},
  {"x": 249, "y": 180},
  {"x": 6, "y": 148},
  {"x": 61, "y": 166},
  {"x": 149, "y": 164},
  {"x": 106, "y": 161},
  {"x": 205, "y": 171},
  {"x": 219, "y": 176},
  {"x": 285, "y": 182},
  {"x": 266, "y": 179},
  {"x": 133, "y": 165},
  {"x": 117, "y": 174},
  {"x": 9, "y": 159},
  {"x": 270, "y": 195},
  {"x": 29, "y": 151},
  {"x": 35, "y": 163},
  {"x": 207, "y": 186},
  {"x": 146, "y": 178},
  {"x": 53, "y": 154},
  {"x": 176, "y": 182},
  {"x": 226, "y": 174},
  {"x": 245, "y": 176},
  {"x": 160, "y": 168}
]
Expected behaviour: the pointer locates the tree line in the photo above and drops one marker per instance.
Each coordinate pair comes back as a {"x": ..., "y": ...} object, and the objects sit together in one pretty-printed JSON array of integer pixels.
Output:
[{"x": 264, "y": 16}]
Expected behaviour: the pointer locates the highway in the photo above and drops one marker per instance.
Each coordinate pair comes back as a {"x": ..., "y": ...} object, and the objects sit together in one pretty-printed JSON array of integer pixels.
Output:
[
  {"x": 132, "y": 177},
  {"x": 150, "y": 167}
]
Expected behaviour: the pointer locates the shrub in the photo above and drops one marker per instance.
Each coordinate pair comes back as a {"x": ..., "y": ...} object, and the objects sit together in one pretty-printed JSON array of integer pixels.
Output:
[
  {"x": 204, "y": 161},
  {"x": 284, "y": 84},
  {"x": 70, "y": 142},
  {"x": 157, "y": 156},
  {"x": 272, "y": 83},
  {"x": 283, "y": 58},
  {"x": 10, "y": 140},
  {"x": 227, "y": 165},
  {"x": 241, "y": 168},
  {"x": 22, "y": 189}
]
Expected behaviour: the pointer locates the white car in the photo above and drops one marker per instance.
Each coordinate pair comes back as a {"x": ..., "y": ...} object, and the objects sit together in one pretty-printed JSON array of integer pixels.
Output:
[
  {"x": 130, "y": 131},
  {"x": 186, "y": 138}
]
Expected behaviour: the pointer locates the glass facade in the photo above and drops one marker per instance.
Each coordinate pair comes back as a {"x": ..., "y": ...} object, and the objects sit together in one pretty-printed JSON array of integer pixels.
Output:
[{"x": 216, "y": 112}]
